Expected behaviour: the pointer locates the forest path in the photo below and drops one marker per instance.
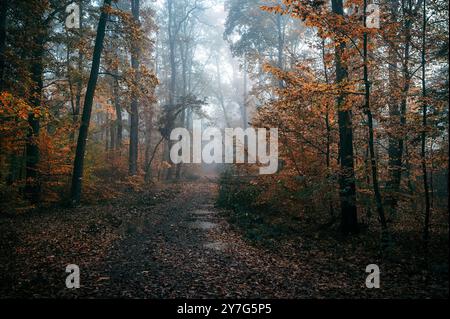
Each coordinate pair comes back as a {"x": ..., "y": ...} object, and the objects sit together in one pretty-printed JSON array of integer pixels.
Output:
[
  {"x": 186, "y": 249},
  {"x": 169, "y": 242},
  {"x": 172, "y": 242}
]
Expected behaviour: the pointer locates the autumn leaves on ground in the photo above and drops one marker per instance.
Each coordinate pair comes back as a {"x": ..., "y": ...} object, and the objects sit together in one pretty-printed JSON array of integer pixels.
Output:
[
  {"x": 94, "y": 170},
  {"x": 174, "y": 243}
]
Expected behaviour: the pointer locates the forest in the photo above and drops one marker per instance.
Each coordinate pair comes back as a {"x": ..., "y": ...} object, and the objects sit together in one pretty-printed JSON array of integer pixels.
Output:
[{"x": 331, "y": 179}]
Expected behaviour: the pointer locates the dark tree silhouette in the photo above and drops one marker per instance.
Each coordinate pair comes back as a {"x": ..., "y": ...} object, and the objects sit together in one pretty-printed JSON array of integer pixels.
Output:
[{"x": 77, "y": 175}]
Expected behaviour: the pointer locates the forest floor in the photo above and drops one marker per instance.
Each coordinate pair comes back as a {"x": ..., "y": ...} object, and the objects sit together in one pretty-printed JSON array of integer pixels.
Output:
[{"x": 172, "y": 242}]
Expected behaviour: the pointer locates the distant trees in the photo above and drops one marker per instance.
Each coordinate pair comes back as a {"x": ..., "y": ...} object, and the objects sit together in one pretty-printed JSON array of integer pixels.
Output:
[
  {"x": 257, "y": 37},
  {"x": 179, "y": 39}
]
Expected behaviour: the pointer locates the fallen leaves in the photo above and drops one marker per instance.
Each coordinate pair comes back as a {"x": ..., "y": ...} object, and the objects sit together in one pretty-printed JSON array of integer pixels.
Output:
[{"x": 142, "y": 246}]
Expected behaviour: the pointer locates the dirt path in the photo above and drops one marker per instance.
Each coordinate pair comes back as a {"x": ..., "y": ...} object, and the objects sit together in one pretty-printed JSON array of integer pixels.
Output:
[
  {"x": 185, "y": 249},
  {"x": 173, "y": 243}
]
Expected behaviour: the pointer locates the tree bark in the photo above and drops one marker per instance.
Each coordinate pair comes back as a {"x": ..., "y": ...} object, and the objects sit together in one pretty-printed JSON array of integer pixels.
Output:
[
  {"x": 396, "y": 158},
  {"x": 426, "y": 227},
  {"x": 373, "y": 163},
  {"x": 32, "y": 187},
  {"x": 3, "y": 11},
  {"x": 394, "y": 115},
  {"x": 173, "y": 75},
  {"x": 134, "y": 116},
  {"x": 328, "y": 136},
  {"x": 38, "y": 30},
  {"x": 118, "y": 108},
  {"x": 244, "y": 97},
  {"x": 80, "y": 69},
  {"x": 349, "y": 220},
  {"x": 87, "y": 108},
  {"x": 220, "y": 94},
  {"x": 280, "y": 45},
  {"x": 148, "y": 115}
]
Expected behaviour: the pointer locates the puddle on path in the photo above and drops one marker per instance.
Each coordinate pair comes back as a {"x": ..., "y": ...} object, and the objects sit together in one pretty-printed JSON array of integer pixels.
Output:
[
  {"x": 217, "y": 245},
  {"x": 201, "y": 217},
  {"x": 202, "y": 225},
  {"x": 203, "y": 212}
]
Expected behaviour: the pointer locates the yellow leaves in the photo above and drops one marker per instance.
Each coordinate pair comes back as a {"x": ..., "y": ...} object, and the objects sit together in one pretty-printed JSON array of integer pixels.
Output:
[
  {"x": 165, "y": 165},
  {"x": 14, "y": 113},
  {"x": 22, "y": 114},
  {"x": 37, "y": 112},
  {"x": 11, "y": 107},
  {"x": 273, "y": 9}
]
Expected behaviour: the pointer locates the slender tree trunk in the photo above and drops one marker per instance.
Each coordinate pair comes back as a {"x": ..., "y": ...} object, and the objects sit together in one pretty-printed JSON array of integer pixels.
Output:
[
  {"x": 173, "y": 67},
  {"x": 184, "y": 51},
  {"x": 134, "y": 116},
  {"x": 112, "y": 134},
  {"x": 179, "y": 166},
  {"x": 80, "y": 69},
  {"x": 173, "y": 75},
  {"x": 373, "y": 163},
  {"x": 368, "y": 203},
  {"x": 38, "y": 31},
  {"x": 220, "y": 94},
  {"x": 328, "y": 128},
  {"x": 118, "y": 108},
  {"x": 349, "y": 219},
  {"x": 148, "y": 169},
  {"x": 32, "y": 188},
  {"x": 148, "y": 115},
  {"x": 69, "y": 80},
  {"x": 87, "y": 108},
  {"x": 397, "y": 159},
  {"x": 106, "y": 128},
  {"x": 426, "y": 227},
  {"x": 244, "y": 97},
  {"x": 280, "y": 46},
  {"x": 3, "y": 11},
  {"x": 394, "y": 116}
]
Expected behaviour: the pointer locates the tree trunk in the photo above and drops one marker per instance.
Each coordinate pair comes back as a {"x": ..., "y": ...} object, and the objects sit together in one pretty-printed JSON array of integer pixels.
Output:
[
  {"x": 148, "y": 115},
  {"x": 394, "y": 115},
  {"x": 3, "y": 11},
  {"x": 244, "y": 97},
  {"x": 280, "y": 45},
  {"x": 173, "y": 67},
  {"x": 328, "y": 128},
  {"x": 426, "y": 227},
  {"x": 32, "y": 187},
  {"x": 349, "y": 220},
  {"x": 373, "y": 163},
  {"x": 80, "y": 69},
  {"x": 119, "y": 120},
  {"x": 106, "y": 129},
  {"x": 220, "y": 93},
  {"x": 38, "y": 31},
  {"x": 87, "y": 108},
  {"x": 112, "y": 134},
  {"x": 173, "y": 75},
  {"x": 134, "y": 116},
  {"x": 396, "y": 159}
]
